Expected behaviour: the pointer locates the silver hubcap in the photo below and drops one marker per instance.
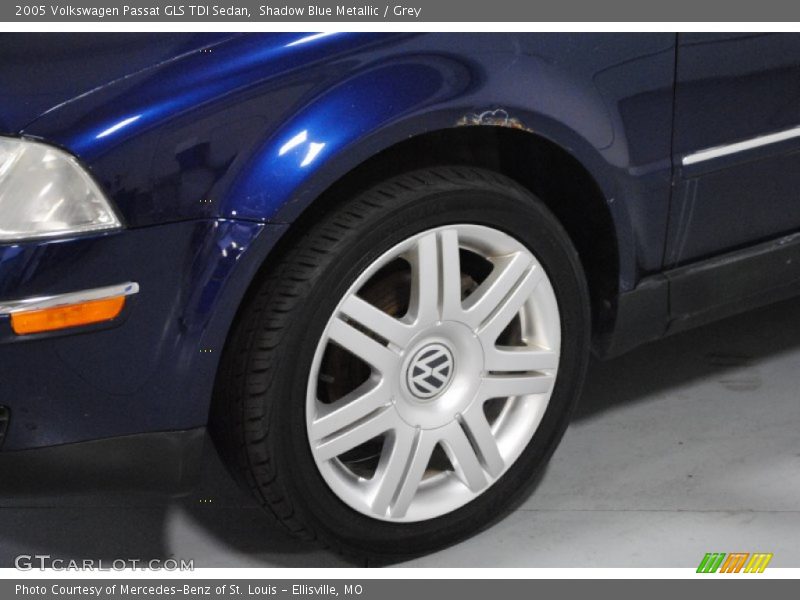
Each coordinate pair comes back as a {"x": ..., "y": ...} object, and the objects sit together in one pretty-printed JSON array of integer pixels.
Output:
[{"x": 433, "y": 373}]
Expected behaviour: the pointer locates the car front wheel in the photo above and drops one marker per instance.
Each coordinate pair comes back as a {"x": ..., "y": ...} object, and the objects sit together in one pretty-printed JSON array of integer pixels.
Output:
[{"x": 408, "y": 364}]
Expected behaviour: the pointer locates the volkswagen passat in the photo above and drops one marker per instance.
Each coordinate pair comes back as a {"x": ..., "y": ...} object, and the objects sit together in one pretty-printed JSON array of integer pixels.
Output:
[{"x": 373, "y": 266}]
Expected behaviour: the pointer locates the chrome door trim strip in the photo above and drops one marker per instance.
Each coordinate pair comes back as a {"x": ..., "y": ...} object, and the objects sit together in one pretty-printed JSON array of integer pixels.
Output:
[
  {"x": 43, "y": 302},
  {"x": 728, "y": 149}
]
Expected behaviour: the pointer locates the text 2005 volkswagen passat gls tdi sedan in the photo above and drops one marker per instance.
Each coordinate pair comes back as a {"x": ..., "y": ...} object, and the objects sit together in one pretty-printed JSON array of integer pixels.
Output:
[{"x": 373, "y": 266}]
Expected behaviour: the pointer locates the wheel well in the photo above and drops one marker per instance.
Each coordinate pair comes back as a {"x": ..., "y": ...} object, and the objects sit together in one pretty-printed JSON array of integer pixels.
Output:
[{"x": 553, "y": 175}]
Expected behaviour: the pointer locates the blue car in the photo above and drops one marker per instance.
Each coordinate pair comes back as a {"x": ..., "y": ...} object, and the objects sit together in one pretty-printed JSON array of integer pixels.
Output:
[{"x": 372, "y": 266}]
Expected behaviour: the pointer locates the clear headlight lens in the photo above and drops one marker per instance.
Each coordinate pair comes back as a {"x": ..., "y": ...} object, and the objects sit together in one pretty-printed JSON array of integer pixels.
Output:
[{"x": 44, "y": 192}]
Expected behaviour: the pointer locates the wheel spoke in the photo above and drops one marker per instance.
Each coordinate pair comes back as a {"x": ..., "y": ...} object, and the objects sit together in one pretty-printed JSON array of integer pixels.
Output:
[
  {"x": 424, "y": 260},
  {"x": 510, "y": 306},
  {"x": 463, "y": 457},
  {"x": 503, "y": 386},
  {"x": 363, "y": 346},
  {"x": 363, "y": 431},
  {"x": 493, "y": 290},
  {"x": 520, "y": 359},
  {"x": 391, "y": 471},
  {"x": 386, "y": 326},
  {"x": 480, "y": 434},
  {"x": 347, "y": 410},
  {"x": 436, "y": 278},
  {"x": 416, "y": 462},
  {"x": 451, "y": 275}
]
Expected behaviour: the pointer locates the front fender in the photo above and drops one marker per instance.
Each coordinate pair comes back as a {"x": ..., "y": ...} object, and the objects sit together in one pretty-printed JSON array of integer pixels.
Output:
[
  {"x": 592, "y": 113},
  {"x": 257, "y": 127}
]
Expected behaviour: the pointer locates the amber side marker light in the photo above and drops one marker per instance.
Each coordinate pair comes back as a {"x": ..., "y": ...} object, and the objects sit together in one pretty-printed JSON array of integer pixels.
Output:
[
  {"x": 75, "y": 315},
  {"x": 38, "y": 315}
]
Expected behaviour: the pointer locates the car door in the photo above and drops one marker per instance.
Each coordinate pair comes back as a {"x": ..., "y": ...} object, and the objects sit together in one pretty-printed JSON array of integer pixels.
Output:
[{"x": 736, "y": 144}]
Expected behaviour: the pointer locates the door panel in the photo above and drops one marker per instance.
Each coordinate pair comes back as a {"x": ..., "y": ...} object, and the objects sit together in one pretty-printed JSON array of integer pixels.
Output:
[{"x": 734, "y": 187}]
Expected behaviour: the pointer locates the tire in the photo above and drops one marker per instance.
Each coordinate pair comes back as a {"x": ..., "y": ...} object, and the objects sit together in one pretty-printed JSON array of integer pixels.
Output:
[{"x": 283, "y": 369}]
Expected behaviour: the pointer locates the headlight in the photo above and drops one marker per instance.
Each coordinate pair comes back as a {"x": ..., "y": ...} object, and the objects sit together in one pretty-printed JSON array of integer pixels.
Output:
[{"x": 44, "y": 192}]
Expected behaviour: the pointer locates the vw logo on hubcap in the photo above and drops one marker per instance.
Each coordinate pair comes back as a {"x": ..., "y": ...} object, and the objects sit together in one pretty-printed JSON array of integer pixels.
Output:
[{"x": 430, "y": 371}]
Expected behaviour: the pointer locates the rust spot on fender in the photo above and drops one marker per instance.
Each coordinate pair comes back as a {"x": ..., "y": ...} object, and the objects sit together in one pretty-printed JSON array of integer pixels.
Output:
[{"x": 497, "y": 117}]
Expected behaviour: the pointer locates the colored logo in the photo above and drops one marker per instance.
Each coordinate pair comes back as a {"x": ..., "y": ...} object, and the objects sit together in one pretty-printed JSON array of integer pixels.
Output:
[{"x": 735, "y": 562}]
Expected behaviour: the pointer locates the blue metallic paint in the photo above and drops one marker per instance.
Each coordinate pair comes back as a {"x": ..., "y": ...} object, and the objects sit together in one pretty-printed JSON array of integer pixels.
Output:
[
  {"x": 148, "y": 372},
  {"x": 194, "y": 149},
  {"x": 209, "y": 126},
  {"x": 733, "y": 87}
]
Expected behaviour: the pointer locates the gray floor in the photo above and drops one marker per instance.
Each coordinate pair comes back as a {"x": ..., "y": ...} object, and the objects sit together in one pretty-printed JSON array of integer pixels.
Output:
[{"x": 687, "y": 446}]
